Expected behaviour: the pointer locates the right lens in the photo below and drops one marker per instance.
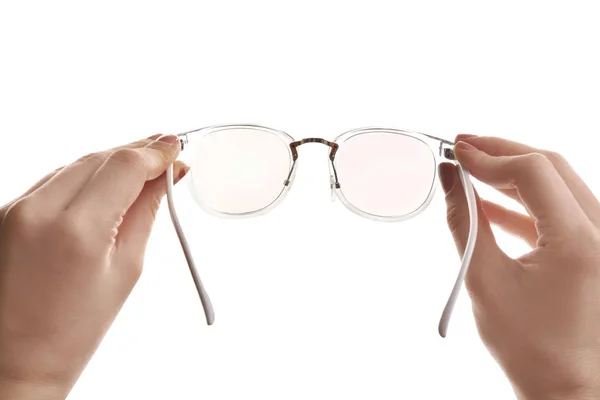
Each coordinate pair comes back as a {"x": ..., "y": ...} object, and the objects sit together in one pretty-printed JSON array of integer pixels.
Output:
[
  {"x": 239, "y": 170},
  {"x": 385, "y": 173}
]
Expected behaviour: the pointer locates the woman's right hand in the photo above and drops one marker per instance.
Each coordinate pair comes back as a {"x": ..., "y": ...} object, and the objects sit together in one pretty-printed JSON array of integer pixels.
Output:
[
  {"x": 539, "y": 314},
  {"x": 71, "y": 250}
]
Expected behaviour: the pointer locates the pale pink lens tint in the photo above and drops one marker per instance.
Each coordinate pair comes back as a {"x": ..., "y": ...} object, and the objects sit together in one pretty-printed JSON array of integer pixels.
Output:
[
  {"x": 239, "y": 170},
  {"x": 385, "y": 174}
]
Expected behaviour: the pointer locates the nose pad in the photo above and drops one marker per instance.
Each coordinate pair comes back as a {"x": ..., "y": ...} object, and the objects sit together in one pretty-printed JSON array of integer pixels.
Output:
[
  {"x": 332, "y": 187},
  {"x": 291, "y": 175}
]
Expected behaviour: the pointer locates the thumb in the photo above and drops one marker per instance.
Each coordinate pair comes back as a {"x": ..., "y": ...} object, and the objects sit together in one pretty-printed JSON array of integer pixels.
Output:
[
  {"x": 487, "y": 254},
  {"x": 137, "y": 223}
]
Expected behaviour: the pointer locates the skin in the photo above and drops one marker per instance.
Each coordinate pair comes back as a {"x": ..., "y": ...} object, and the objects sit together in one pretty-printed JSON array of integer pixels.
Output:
[
  {"x": 537, "y": 314},
  {"x": 72, "y": 248}
]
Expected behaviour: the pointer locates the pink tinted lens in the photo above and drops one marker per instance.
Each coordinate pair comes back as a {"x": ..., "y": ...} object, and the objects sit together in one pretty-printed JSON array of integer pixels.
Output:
[
  {"x": 239, "y": 170},
  {"x": 385, "y": 174}
]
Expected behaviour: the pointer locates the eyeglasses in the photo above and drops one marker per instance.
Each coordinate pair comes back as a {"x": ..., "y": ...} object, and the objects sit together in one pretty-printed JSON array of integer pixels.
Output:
[{"x": 378, "y": 173}]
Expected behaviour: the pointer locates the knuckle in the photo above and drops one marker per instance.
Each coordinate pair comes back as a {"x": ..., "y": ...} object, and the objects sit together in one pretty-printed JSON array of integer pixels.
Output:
[
  {"x": 528, "y": 168},
  {"x": 23, "y": 216},
  {"x": 525, "y": 167},
  {"x": 536, "y": 160},
  {"x": 130, "y": 157},
  {"x": 555, "y": 157},
  {"x": 166, "y": 151}
]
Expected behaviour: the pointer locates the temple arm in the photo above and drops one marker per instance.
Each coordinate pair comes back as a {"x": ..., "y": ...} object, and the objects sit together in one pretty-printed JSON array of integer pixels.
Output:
[
  {"x": 446, "y": 315},
  {"x": 206, "y": 304},
  {"x": 465, "y": 178}
]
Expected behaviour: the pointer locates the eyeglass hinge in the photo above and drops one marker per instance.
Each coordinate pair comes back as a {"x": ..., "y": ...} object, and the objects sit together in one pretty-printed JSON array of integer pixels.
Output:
[
  {"x": 447, "y": 151},
  {"x": 183, "y": 140},
  {"x": 449, "y": 154}
]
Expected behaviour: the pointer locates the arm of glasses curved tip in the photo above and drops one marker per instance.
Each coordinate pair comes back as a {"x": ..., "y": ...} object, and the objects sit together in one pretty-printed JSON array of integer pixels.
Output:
[
  {"x": 204, "y": 299},
  {"x": 465, "y": 178}
]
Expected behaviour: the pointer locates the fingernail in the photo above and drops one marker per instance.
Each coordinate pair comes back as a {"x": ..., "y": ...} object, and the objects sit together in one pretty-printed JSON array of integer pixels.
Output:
[
  {"x": 464, "y": 146},
  {"x": 167, "y": 139},
  {"x": 447, "y": 173},
  {"x": 463, "y": 136}
]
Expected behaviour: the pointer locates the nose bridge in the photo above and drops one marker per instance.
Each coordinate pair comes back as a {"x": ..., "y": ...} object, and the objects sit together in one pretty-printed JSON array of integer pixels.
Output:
[
  {"x": 332, "y": 145},
  {"x": 335, "y": 184}
]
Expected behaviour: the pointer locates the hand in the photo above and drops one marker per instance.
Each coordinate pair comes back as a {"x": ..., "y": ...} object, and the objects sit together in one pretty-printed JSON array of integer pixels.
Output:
[
  {"x": 539, "y": 314},
  {"x": 71, "y": 250}
]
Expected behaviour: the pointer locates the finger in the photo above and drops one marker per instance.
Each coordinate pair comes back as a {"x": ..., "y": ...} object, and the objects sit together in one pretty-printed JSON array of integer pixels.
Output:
[
  {"x": 501, "y": 147},
  {"x": 132, "y": 145},
  {"x": 544, "y": 193},
  {"x": 512, "y": 222},
  {"x": 463, "y": 137},
  {"x": 487, "y": 254},
  {"x": 136, "y": 144},
  {"x": 512, "y": 193},
  {"x": 137, "y": 223},
  {"x": 60, "y": 189},
  {"x": 115, "y": 186}
]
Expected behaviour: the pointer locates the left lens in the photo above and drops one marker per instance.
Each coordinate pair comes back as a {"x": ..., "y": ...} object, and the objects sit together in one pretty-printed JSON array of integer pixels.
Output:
[
  {"x": 385, "y": 173},
  {"x": 239, "y": 170}
]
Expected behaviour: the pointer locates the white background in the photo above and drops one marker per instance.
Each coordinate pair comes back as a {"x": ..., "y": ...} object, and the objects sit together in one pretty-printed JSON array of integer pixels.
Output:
[{"x": 311, "y": 300}]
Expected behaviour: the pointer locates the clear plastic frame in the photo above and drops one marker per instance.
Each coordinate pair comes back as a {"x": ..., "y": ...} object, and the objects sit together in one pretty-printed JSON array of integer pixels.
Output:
[
  {"x": 231, "y": 164},
  {"x": 436, "y": 149},
  {"x": 190, "y": 140}
]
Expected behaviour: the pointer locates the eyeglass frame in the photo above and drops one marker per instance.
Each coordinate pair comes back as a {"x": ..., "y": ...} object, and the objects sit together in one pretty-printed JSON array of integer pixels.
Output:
[{"x": 445, "y": 153}]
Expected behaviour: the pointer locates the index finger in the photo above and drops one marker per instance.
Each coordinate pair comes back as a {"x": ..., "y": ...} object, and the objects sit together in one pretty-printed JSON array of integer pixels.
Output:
[
  {"x": 57, "y": 190},
  {"x": 120, "y": 179},
  {"x": 543, "y": 191},
  {"x": 501, "y": 147}
]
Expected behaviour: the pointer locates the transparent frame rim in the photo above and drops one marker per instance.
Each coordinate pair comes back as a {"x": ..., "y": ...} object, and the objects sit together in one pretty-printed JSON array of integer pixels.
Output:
[
  {"x": 341, "y": 139},
  {"x": 200, "y": 133},
  {"x": 194, "y": 135}
]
